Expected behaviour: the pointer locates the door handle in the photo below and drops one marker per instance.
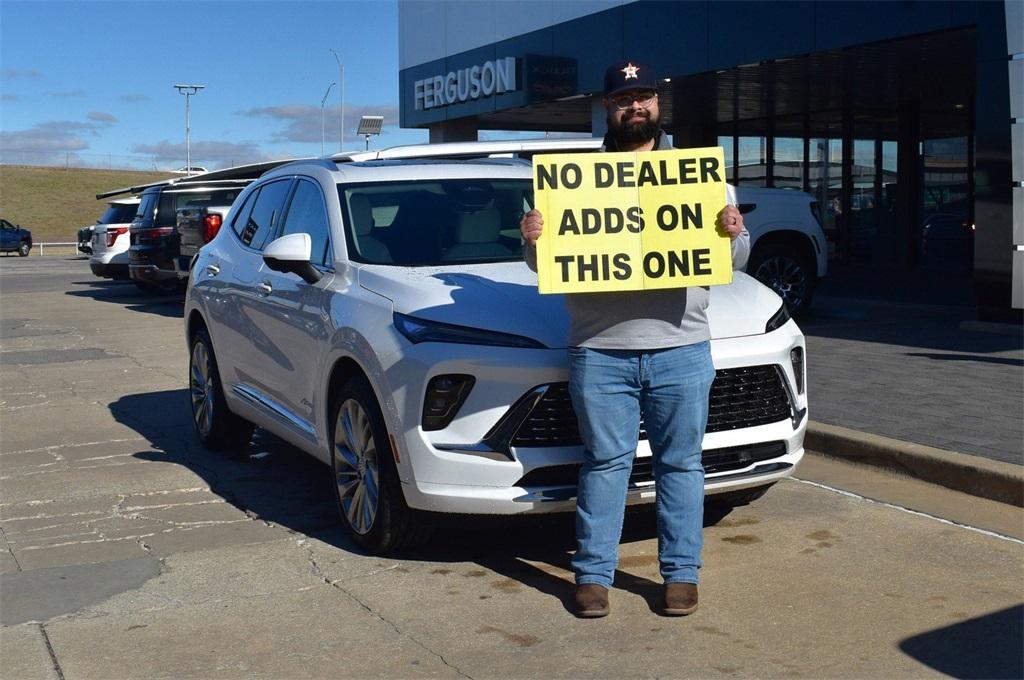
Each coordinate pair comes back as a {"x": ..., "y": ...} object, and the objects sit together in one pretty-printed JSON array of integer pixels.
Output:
[
  {"x": 212, "y": 269},
  {"x": 264, "y": 288}
]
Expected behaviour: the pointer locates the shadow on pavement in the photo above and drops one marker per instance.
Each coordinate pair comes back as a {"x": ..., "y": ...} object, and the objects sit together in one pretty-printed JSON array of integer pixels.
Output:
[
  {"x": 990, "y": 646},
  {"x": 276, "y": 482},
  {"x": 126, "y": 294}
]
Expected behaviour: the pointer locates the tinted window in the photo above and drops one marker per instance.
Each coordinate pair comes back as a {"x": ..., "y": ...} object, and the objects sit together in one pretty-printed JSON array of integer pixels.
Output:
[
  {"x": 266, "y": 212},
  {"x": 146, "y": 207},
  {"x": 118, "y": 213},
  {"x": 242, "y": 217},
  {"x": 307, "y": 213}
]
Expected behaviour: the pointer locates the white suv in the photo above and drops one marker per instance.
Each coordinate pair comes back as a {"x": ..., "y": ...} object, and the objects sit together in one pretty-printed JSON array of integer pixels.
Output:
[
  {"x": 110, "y": 240},
  {"x": 378, "y": 315}
]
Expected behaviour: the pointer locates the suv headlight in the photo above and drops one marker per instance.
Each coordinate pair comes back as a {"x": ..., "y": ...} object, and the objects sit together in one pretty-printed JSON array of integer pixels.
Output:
[
  {"x": 421, "y": 330},
  {"x": 778, "y": 319}
]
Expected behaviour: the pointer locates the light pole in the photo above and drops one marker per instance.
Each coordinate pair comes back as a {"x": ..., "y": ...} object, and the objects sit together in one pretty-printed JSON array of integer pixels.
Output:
[
  {"x": 341, "y": 71},
  {"x": 322, "y": 102},
  {"x": 188, "y": 91}
]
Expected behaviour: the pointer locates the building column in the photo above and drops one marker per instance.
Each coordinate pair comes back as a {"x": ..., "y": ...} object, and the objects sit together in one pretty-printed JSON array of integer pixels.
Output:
[
  {"x": 995, "y": 176},
  {"x": 460, "y": 130}
]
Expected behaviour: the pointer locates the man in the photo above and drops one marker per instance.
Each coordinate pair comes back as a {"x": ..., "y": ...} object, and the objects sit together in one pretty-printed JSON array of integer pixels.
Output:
[{"x": 639, "y": 352}]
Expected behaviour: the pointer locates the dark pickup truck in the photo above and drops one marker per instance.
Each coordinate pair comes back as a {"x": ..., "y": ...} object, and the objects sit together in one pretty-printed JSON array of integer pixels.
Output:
[
  {"x": 197, "y": 225},
  {"x": 155, "y": 257},
  {"x": 14, "y": 239}
]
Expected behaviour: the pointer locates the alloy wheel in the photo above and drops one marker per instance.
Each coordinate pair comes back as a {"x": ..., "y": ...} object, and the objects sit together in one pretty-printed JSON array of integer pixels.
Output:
[
  {"x": 201, "y": 389},
  {"x": 787, "y": 278},
  {"x": 356, "y": 471}
]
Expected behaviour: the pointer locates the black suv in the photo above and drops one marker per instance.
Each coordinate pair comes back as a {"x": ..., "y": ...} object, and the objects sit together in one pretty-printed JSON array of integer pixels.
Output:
[{"x": 155, "y": 261}]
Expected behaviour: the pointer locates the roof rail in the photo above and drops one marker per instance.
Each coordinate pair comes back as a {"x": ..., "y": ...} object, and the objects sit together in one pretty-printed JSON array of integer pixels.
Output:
[{"x": 521, "y": 148}]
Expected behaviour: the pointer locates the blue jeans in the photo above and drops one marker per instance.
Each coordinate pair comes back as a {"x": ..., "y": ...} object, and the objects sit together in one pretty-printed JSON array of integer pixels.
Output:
[{"x": 610, "y": 389}]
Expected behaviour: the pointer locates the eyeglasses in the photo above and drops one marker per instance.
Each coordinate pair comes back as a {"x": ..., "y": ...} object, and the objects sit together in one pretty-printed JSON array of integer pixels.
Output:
[{"x": 624, "y": 101}]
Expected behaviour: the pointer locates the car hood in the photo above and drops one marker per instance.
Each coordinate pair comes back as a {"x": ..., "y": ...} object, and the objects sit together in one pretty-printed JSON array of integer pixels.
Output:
[{"x": 503, "y": 297}]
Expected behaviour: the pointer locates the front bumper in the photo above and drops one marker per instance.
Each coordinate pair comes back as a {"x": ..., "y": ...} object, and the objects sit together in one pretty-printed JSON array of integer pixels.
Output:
[{"x": 460, "y": 470}]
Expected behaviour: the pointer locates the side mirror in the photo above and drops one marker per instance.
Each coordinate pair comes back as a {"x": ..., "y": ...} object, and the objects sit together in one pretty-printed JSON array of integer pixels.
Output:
[{"x": 291, "y": 254}]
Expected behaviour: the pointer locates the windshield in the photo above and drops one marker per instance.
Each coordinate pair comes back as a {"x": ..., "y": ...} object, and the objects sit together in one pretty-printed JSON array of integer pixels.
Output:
[{"x": 435, "y": 223}]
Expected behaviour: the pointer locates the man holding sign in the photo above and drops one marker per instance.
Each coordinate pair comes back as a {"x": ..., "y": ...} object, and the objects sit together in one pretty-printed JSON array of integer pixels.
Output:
[{"x": 638, "y": 341}]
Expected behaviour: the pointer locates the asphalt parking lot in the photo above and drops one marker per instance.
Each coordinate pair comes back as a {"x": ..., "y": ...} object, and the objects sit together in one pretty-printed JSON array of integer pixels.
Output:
[{"x": 131, "y": 552}]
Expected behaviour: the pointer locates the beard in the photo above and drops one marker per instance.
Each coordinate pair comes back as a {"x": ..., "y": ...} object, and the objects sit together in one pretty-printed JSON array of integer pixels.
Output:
[{"x": 635, "y": 131}]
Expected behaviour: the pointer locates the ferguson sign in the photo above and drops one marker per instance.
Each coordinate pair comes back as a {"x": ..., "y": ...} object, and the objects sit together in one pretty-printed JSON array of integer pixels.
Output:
[{"x": 464, "y": 84}]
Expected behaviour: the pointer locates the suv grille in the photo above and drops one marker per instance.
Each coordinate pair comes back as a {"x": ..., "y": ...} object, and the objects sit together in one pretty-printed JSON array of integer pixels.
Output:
[{"x": 740, "y": 397}]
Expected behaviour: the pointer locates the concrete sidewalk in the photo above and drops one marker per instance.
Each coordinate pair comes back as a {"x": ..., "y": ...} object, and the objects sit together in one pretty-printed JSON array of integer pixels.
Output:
[{"x": 921, "y": 389}]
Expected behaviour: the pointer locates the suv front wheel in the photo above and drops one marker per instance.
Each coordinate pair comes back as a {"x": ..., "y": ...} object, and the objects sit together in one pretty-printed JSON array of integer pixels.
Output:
[
  {"x": 791, "y": 275},
  {"x": 24, "y": 249},
  {"x": 367, "y": 490}
]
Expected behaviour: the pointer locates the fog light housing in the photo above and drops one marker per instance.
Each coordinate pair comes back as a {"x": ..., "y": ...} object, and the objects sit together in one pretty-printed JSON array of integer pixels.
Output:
[
  {"x": 796, "y": 355},
  {"x": 444, "y": 397}
]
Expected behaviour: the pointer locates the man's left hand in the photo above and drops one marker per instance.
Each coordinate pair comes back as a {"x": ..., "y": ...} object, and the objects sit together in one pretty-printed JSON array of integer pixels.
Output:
[{"x": 730, "y": 221}]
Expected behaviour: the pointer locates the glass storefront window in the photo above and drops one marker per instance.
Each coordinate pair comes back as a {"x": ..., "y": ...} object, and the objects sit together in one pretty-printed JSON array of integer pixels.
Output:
[
  {"x": 863, "y": 223},
  {"x": 727, "y": 147},
  {"x": 947, "y": 235},
  {"x": 788, "y": 169},
  {"x": 825, "y": 169},
  {"x": 753, "y": 161}
]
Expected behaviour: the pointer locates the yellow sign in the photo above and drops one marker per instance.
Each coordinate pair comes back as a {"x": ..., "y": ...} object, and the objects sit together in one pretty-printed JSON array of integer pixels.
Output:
[{"x": 631, "y": 221}]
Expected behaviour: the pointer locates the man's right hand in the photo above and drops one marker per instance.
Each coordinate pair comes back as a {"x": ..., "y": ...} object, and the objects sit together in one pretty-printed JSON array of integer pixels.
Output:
[{"x": 531, "y": 226}]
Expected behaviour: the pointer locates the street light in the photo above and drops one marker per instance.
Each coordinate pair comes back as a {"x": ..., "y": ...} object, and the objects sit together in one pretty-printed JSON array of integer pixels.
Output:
[
  {"x": 188, "y": 91},
  {"x": 322, "y": 102},
  {"x": 341, "y": 71}
]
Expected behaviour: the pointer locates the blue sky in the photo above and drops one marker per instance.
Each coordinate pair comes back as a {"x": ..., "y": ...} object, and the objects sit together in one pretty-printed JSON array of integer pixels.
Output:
[{"x": 94, "y": 79}]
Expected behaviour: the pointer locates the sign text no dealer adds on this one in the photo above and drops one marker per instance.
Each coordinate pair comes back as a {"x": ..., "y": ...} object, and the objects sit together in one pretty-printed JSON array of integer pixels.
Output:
[{"x": 631, "y": 221}]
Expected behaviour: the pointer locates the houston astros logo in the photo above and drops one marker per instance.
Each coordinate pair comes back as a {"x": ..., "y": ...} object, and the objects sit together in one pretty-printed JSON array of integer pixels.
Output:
[{"x": 630, "y": 71}]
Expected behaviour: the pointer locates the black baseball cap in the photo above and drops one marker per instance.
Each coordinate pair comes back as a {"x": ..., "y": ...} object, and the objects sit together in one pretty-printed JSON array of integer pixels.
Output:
[{"x": 629, "y": 75}]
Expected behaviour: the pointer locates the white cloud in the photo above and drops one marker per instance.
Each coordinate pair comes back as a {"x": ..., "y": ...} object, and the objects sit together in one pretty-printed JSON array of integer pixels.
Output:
[
  {"x": 302, "y": 121},
  {"x": 134, "y": 98},
  {"x": 101, "y": 117},
  {"x": 69, "y": 94},
  {"x": 7, "y": 73},
  {"x": 211, "y": 154}
]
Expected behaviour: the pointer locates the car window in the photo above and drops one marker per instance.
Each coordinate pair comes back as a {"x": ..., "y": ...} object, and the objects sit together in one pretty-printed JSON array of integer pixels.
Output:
[
  {"x": 430, "y": 223},
  {"x": 147, "y": 206},
  {"x": 118, "y": 213},
  {"x": 242, "y": 216},
  {"x": 266, "y": 212},
  {"x": 307, "y": 213}
]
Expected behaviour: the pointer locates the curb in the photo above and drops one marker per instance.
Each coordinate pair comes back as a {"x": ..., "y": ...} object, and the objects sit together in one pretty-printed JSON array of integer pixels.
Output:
[{"x": 991, "y": 479}]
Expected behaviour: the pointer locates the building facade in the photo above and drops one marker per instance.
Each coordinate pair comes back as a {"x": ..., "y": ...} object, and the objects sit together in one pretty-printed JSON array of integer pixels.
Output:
[{"x": 905, "y": 119}]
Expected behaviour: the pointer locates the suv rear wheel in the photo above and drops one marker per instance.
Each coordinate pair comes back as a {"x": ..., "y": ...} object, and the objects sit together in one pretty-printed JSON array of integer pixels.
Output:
[
  {"x": 366, "y": 485},
  {"x": 218, "y": 428},
  {"x": 790, "y": 274}
]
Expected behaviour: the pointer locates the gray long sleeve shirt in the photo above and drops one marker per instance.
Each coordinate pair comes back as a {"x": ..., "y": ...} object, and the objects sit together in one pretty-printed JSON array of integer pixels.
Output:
[{"x": 648, "y": 319}]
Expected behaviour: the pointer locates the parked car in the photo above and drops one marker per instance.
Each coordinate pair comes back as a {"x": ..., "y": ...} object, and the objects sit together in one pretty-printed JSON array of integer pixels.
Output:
[
  {"x": 14, "y": 239},
  {"x": 378, "y": 316},
  {"x": 789, "y": 252},
  {"x": 110, "y": 240},
  {"x": 155, "y": 261},
  {"x": 85, "y": 239}
]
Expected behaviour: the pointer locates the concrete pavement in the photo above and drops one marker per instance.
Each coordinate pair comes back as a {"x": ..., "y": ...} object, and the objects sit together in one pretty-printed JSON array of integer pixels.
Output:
[{"x": 129, "y": 551}]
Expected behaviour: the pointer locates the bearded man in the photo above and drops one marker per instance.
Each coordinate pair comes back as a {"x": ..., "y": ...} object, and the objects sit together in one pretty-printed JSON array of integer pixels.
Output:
[{"x": 633, "y": 353}]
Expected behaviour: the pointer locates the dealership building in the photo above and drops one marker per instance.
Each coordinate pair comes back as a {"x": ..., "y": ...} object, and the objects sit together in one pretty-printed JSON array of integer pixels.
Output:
[{"x": 905, "y": 119}]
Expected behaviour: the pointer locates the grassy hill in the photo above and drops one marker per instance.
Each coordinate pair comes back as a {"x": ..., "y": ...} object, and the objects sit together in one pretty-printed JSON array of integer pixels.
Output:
[{"x": 54, "y": 203}]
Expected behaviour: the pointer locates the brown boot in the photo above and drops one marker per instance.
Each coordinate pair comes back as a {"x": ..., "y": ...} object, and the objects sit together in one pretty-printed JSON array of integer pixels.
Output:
[
  {"x": 680, "y": 599},
  {"x": 591, "y": 601}
]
